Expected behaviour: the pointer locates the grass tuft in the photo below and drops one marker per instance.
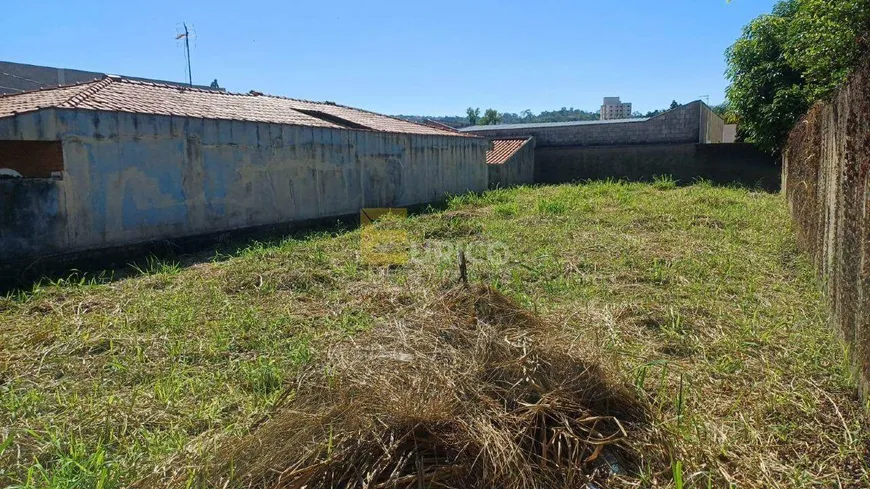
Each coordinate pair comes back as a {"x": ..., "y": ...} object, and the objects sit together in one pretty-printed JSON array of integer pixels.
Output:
[{"x": 664, "y": 182}]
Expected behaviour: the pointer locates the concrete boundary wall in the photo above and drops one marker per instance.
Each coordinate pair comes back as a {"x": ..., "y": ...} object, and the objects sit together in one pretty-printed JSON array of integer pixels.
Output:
[
  {"x": 132, "y": 178},
  {"x": 826, "y": 176},
  {"x": 721, "y": 163},
  {"x": 690, "y": 123}
]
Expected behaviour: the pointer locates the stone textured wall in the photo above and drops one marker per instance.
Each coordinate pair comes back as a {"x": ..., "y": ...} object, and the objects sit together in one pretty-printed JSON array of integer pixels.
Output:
[
  {"x": 132, "y": 178},
  {"x": 826, "y": 176},
  {"x": 681, "y": 125},
  {"x": 722, "y": 163},
  {"x": 519, "y": 169}
]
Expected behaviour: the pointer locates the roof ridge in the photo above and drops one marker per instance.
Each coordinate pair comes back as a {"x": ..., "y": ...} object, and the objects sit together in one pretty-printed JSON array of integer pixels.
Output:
[
  {"x": 133, "y": 81},
  {"x": 80, "y": 97},
  {"x": 251, "y": 93}
]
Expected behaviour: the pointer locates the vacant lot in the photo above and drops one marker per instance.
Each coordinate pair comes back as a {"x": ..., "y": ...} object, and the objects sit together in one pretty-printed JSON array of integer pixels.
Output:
[{"x": 696, "y": 294}]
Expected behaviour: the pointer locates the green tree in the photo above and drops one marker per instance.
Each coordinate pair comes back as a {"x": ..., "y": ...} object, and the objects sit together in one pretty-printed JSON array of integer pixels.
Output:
[
  {"x": 824, "y": 41},
  {"x": 724, "y": 111},
  {"x": 491, "y": 116},
  {"x": 473, "y": 115},
  {"x": 674, "y": 105},
  {"x": 787, "y": 60}
]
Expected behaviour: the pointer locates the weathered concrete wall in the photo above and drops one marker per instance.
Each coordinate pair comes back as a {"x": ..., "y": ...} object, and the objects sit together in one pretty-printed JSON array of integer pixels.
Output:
[
  {"x": 712, "y": 126},
  {"x": 31, "y": 214},
  {"x": 721, "y": 163},
  {"x": 519, "y": 169},
  {"x": 826, "y": 176},
  {"x": 681, "y": 125},
  {"x": 131, "y": 178}
]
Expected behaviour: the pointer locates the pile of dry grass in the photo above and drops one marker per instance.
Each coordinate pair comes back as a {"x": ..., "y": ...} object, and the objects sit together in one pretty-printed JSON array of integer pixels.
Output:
[{"x": 468, "y": 391}]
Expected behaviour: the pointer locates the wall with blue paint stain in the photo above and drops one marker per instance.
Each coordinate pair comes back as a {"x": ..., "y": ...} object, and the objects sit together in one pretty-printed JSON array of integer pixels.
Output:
[{"x": 131, "y": 178}]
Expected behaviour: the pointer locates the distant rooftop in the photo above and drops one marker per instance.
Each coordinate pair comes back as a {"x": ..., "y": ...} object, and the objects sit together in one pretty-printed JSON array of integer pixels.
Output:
[
  {"x": 496, "y": 127},
  {"x": 503, "y": 149},
  {"x": 22, "y": 77},
  {"x": 116, "y": 94}
]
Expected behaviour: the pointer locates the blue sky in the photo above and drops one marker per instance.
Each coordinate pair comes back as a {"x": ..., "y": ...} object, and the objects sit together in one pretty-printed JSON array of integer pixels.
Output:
[{"x": 409, "y": 57}]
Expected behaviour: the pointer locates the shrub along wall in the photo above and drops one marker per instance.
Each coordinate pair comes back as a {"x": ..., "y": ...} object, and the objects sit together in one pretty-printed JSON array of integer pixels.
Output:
[{"x": 825, "y": 177}]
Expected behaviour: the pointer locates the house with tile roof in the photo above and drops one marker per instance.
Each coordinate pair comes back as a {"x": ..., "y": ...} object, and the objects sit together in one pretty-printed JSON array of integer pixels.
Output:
[
  {"x": 685, "y": 142},
  {"x": 116, "y": 161},
  {"x": 511, "y": 161}
]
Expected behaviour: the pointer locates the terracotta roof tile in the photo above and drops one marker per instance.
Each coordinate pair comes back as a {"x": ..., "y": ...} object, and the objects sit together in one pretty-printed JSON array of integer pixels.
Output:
[
  {"x": 125, "y": 95},
  {"x": 503, "y": 149},
  {"x": 30, "y": 101}
]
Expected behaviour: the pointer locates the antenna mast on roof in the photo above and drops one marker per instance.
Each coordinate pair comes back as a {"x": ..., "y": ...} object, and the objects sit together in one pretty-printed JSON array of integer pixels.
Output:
[{"x": 186, "y": 36}]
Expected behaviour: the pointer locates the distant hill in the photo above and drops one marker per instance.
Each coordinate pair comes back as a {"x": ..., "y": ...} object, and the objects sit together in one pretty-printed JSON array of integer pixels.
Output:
[
  {"x": 562, "y": 115},
  {"x": 449, "y": 120}
]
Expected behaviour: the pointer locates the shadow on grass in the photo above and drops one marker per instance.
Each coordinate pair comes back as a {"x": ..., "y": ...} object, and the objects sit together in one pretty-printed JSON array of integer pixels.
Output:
[
  {"x": 665, "y": 181},
  {"x": 112, "y": 264}
]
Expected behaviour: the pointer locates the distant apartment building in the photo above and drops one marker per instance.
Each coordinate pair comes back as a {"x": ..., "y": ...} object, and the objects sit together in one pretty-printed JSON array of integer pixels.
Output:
[{"x": 613, "y": 108}]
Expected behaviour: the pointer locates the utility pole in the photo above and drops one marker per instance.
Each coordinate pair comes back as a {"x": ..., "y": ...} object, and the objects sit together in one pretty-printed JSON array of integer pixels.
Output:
[
  {"x": 702, "y": 131},
  {"x": 186, "y": 36},
  {"x": 187, "y": 48}
]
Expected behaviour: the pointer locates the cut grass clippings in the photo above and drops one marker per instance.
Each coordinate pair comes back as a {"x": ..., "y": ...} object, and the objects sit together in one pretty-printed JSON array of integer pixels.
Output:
[
  {"x": 694, "y": 296},
  {"x": 467, "y": 390}
]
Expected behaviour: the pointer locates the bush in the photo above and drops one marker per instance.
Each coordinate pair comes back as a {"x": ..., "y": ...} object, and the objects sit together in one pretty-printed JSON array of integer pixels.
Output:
[{"x": 787, "y": 60}]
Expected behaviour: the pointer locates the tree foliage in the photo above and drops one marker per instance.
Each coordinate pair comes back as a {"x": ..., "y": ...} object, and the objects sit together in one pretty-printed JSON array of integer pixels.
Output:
[
  {"x": 473, "y": 115},
  {"x": 724, "y": 111},
  {"x": 787, "y": 60},
  {"x": 490, "y": 117}
]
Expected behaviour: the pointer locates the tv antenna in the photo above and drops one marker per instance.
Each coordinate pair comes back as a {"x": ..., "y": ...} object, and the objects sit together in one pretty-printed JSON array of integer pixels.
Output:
[
  {"x": 185, "y": 34},
  {"x": 706, "y": 97}
]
